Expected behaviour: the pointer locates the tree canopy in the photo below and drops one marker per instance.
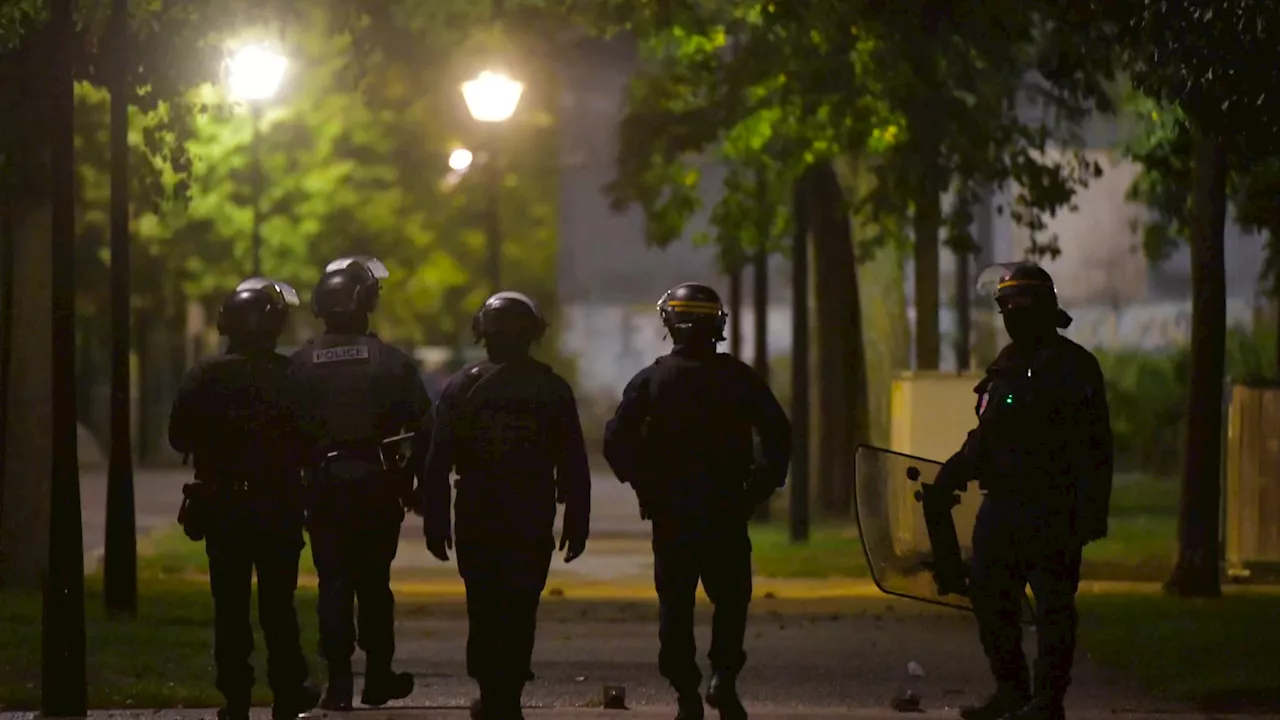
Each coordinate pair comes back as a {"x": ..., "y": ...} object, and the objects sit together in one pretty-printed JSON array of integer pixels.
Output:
[{"x": 353, "y": 152}]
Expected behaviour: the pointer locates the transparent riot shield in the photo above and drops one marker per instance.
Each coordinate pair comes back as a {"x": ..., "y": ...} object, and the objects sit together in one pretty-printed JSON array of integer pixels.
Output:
[{"x": 912, "y": 553}]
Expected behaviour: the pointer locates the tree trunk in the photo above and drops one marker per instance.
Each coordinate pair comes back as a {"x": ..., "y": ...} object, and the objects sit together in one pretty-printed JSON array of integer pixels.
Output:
[
  {"x": 925, "y": 222},
  {"x": 799, "y": 499},
  {"x": 24, "y": 525},
  {"x": 735, "y": 308},
  {"x": 760, "y": 297},
  {"x": 7, "y": 241},
  {"x": 63, "y": 689},
  {"x": 144, "y": 327},
  {"x": 842, "y": 367},
  {"x": 760, "y": 356},
  {"x": 120, "y": 549},
  {"x": 760, "y": 313},
  {"x": 964, "y": 311},
  {"x": 1197, "y": 572}
]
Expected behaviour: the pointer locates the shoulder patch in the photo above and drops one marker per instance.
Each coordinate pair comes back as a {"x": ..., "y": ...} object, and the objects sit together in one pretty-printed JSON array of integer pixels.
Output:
[{"x": 340, "y": 354}]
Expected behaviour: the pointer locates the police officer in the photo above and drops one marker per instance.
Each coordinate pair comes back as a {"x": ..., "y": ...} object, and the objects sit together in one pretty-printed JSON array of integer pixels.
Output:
[
  {"x": 682, "y": 437},
  {"x": 1042, "y": 453},
  {"x": 509, "y": 426},
  {"x": 356, "y": 392},
  {"x": 233, "y": 416}
]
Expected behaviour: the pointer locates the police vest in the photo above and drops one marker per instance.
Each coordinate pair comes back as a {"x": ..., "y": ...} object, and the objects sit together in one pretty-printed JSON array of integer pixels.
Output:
[{"x": 346, "y": 387}]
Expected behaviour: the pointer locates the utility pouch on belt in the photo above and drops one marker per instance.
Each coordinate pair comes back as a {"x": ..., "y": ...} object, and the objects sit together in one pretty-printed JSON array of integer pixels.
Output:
[{"x": 197, "y": 507}]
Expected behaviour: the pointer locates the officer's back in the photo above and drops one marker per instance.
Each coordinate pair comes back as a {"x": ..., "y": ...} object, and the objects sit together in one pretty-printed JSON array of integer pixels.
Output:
[
  {"x": 699, "y": 431},
  {"x": 511, "y": 424}
]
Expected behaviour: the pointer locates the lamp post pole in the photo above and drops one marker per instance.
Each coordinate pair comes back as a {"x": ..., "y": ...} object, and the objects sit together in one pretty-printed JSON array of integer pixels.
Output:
[{"x": 492, "y": 99}]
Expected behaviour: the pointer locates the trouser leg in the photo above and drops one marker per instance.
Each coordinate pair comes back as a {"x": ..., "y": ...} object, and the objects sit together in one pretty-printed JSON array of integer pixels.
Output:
[
  {"x": 675, "y": 574},
  {"x": 277, "y": 563},
  {"x": 726, "y": 576},
  {"x": 377, "y": 635},
  {"x": 997, "y": 587},
  {"x": 1054, "y": 576},
  {"x": 230, "y": 581},
  {"x": 336, "y": 606}
]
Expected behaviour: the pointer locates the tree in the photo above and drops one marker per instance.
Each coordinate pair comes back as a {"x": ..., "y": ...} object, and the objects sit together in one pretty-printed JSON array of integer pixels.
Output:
[
  {"x": 187, "y": 213},
  {"x": 1217, "y": 63},
  {"x": 932, "y": 102}
]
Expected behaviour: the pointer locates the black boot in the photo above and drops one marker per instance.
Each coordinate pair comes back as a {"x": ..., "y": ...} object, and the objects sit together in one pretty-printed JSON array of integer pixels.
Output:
[
  {"x": 722, "y": 694},
  {"x": 1008, "y": 697},
  {"x": 690, "y": 704},
  {"x": 381, "y": 685},
  {"x": 234, "y": 711},
  {"x": 338, "y": 693},
  {"x": 290, "y": 704},
  {"x": 1041, "y": 707}
]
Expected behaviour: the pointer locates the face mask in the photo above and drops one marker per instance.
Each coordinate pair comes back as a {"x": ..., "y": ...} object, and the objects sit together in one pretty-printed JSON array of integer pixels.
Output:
[{"x": 1025, "y": 324}]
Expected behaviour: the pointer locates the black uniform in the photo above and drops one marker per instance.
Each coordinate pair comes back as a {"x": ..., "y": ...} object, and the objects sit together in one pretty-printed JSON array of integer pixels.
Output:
[
  {"x": 356, "y": 391},
  {"x": 510, "y": 427},
  {"x": 683, "y": 438},
  {"x": 232, "y": 414},
  {"x": 1042, "y": 453}
]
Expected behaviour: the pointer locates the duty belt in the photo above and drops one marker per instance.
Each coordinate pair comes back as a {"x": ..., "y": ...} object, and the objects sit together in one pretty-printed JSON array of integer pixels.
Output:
[{"x": 362, "y": 453}]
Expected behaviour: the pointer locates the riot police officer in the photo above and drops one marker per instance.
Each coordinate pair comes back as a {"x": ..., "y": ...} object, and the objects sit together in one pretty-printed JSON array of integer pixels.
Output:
[
  {"x": 355, "y": 392},
  {"x": 1042, "y": 453},
  {"x": 509, "y": 426},
  {"x": 232, "y": 414},
  {"x": 682, "y": 437}
]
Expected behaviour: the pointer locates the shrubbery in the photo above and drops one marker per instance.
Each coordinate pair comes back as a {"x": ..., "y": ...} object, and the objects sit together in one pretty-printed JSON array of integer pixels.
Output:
[{"x": 1148, "y": 394}]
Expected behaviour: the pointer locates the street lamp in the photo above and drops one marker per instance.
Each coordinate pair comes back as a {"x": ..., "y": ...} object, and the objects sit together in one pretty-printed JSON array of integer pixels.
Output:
[
  {"x": 460, "y": 160},
  {"x": 253, "y": 76},
  {"x": 491, "y": 99}
]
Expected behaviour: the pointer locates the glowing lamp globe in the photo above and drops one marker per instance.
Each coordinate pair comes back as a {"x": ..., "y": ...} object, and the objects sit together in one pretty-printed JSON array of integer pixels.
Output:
[
  {"x": 460, "y": 159},
  {"x": 255, "y": 72},
  {"x": 492, "y": 97}
]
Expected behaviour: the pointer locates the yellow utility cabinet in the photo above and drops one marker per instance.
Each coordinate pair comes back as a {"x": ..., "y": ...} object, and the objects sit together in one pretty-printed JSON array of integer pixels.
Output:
[
  {"x": 1252, "y": 488},
  {"x": 931, "y": 413}
]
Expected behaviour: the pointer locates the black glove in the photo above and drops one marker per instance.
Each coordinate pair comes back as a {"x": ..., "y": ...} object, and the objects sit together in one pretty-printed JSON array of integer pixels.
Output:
[
  {"x": 954, "y": 475},
  {"x": 755, "y": 495},
  {"x": 573, "y": 542},
  {"x": 439, "y": 545}
]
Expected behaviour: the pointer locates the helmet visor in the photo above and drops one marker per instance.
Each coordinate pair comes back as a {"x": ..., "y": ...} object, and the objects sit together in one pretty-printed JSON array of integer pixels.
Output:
[
  {"x": 519, "y": 297},
  {"x": 278, "y": 288},
  {"x": 997, "y": 277},
  {"x": 371, "y": 263}
]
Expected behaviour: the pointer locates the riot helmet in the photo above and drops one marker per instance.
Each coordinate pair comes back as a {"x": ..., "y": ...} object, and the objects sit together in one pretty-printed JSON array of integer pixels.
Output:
[
  {"x": 349, "y": 286},
  {"x": 510, "y": 319},
  {"x": 255, "y": 312},
  {"x": 693, "y": 312},
  {"x": 1025, "y": 294}
]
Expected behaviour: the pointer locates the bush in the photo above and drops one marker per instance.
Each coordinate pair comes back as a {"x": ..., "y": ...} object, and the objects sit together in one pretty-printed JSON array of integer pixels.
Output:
[{"x": 1147, "y": 393}]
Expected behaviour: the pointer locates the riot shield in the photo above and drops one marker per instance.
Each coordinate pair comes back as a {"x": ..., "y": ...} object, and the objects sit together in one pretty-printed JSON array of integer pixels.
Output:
[{"x": 917, "y": 540}]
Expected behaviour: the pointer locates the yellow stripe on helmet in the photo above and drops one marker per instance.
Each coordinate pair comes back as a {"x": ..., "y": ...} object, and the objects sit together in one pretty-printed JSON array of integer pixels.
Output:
[
  {"x": 694, "y": 306},
  {"x": 1015, "y": 283}
]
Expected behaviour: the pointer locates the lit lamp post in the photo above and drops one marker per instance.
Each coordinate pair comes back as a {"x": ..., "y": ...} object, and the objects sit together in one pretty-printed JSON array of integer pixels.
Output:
[
  {"x": 253, "y": 76},
  {"x": 491, "y": 99}
]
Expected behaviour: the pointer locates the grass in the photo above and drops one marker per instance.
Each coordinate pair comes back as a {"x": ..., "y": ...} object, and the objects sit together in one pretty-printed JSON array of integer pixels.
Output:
[
  {"x": 1141, "y": 546},
  {"x": 1215, "y": 653},
  {"x": 832, "y": 551},
  {"x": 169, "y": 553},
  {"x": 168, "y": 659}
]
